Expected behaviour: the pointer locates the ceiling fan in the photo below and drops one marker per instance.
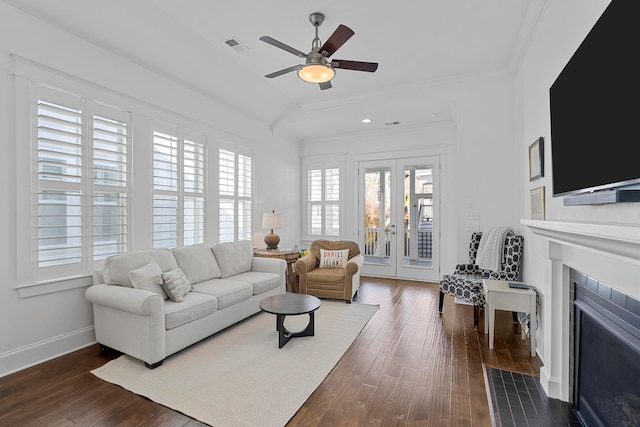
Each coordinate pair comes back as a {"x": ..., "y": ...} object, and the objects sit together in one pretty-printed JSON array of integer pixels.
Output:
[{"x": 318, "y": 68}]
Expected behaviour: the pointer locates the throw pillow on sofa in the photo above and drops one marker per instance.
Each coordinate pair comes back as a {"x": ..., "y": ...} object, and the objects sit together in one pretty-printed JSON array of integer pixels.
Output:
[
  {"x": 116, "y": 268},
  {"x": 148, "y": 278},
  {"x": 233, "y": 257},
  {"x": 175, "y": 284}
]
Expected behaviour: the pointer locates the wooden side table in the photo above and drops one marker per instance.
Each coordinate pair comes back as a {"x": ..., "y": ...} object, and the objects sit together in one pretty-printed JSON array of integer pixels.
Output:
[
  {"x": 500, "y": 296},
  {"x": 289, "y": 256}
]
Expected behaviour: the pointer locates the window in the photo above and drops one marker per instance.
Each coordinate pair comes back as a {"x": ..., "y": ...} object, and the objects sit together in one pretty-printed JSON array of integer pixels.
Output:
[
  {"x": 235, "y": 196},
  {"x": 323, "y": 202},
  {"x": 178, "y": 190},
  {"x": 81, "y": 185}
]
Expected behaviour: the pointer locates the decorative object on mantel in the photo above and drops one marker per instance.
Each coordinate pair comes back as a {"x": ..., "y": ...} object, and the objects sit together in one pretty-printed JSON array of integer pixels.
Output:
[
  {"x": 270, "y": 221},
  {"x": 536, "y": 159},
  {"x": 536, "y": 200}
]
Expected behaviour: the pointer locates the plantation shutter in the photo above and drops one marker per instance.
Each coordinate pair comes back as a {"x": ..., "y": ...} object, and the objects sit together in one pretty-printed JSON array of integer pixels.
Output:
[
  {"x": 235, "y": 191},
  {"x": 244, "y": 197},
  {"x": 110, "y": 176},
  {"x": 332, "y": 202},
  {"x": 81, "y": 182},
  {"x": 60, "y": 163},
  {"x": 323, "y": 202},
  {"x": 314, "y": 206},
  {"x": 165, "y": 188},
  {"x": 226, "y": 184},
  {"x": 193, "y": 186}
]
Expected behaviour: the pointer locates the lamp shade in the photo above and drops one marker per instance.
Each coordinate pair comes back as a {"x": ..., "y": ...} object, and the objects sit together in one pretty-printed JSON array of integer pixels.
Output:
[{"x": 271, "y": 220}]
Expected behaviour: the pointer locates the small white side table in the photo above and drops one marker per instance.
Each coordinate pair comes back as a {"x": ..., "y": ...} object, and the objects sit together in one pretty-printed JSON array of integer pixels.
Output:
[{"x": 500, "y": 296}]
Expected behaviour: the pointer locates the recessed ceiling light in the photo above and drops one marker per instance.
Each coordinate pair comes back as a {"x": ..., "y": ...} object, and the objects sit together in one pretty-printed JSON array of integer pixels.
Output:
[{"x": 366, "y": 120}]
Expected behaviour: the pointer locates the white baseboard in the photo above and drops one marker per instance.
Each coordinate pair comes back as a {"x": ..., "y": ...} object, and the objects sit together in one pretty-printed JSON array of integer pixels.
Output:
[
  {"x": 25, "y": 357},
  {"x": 550, "y": 385}
]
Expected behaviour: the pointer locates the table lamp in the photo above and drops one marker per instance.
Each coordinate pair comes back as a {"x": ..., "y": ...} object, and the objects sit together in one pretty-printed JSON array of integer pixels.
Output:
[{"x": 270, "y": 221}]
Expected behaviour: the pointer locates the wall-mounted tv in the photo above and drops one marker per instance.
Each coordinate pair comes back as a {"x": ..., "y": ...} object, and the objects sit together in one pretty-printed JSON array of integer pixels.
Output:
[{"x": 595, "y": 107}]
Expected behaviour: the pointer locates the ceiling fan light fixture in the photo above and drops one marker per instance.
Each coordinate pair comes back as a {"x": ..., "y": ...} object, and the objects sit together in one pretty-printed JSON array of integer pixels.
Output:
[{"x": 316, "y": 73}]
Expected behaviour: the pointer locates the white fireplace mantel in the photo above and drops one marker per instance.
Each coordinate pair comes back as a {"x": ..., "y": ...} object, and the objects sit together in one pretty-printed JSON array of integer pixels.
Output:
[
  {"x": 608, "y": 252},
  {"x": 621, "y": 241}
]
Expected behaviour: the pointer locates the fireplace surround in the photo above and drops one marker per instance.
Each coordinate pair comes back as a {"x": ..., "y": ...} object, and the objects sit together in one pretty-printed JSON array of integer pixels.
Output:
[{"x": 608, "y": 252}]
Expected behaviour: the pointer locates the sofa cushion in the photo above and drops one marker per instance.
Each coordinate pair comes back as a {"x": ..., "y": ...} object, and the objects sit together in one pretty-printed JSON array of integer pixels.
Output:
[
  {"x": 227, "y": 291},
  {"x": 197, "y": 262},
  {"x": 233, "y": 257},
  {"x": 261, "y": 281},
  {"x": 175, "y": 284},
  {"x": 334, "y": 259},
  {"x": 149, "y": 278},
  {"x": 193, "y": 307},
  {"x": 116, "y": 268}
]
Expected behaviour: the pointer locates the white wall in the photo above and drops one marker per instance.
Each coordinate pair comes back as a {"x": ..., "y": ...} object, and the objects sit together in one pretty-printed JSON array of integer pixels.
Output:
[{"x": 37, "y": 328}]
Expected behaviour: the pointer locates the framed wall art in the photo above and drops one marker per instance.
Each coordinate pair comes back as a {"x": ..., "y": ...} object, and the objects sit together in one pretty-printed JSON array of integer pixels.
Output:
[
  {"x": 536, "y": 159},
  {"x": 536, "y": 200}
]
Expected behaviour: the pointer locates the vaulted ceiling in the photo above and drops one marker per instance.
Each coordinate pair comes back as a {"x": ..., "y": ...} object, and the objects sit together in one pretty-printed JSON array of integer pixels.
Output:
[{"x": 417, "y": 43}]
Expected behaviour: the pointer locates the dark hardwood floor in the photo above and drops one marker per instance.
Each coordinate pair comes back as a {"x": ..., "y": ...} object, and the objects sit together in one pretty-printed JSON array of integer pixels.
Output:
[{"x": 410, "y": 366}]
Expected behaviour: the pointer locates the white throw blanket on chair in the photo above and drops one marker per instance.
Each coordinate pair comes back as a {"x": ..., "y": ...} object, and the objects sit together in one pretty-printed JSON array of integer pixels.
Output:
[{"x": 491, "y": 248}]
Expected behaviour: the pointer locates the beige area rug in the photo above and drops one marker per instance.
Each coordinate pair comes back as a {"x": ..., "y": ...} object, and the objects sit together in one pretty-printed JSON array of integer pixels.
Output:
[{"x": 239, "y": 377}]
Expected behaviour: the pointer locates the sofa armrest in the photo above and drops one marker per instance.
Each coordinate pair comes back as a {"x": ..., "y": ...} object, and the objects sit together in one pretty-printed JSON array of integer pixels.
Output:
[
  {"x": 355, "y": 264},
  {"x": 306, "y": 264},
  {"x": 268, "y": 265},
  {"x": 131, "y": 300},
  {"x": 129, "y": 320},
  {"x": 271, "y": 265}
]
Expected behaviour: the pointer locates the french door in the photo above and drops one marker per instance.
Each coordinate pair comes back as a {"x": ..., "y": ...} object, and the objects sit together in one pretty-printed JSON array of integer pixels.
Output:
[{"x": 399, "y": 224}]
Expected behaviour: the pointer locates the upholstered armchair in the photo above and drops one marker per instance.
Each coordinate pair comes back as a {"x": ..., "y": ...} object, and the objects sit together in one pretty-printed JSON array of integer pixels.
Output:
[
  {"x": 466, "y": 281},
  {"x": 330, "y": 282}
]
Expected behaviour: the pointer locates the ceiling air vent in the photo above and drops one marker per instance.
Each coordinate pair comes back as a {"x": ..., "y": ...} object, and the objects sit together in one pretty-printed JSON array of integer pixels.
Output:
[
  {"x": 235, "y": 44},
  {"x": 392, "y": 123}
]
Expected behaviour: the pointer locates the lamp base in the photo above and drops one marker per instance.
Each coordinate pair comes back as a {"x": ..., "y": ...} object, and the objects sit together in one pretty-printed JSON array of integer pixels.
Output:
[{"x": 272, "y": 240}]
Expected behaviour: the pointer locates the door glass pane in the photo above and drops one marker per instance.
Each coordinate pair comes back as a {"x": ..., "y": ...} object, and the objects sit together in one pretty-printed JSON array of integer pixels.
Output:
[
  {"x": 418, "y": 216},
  {"x": 377, "y": 215}
]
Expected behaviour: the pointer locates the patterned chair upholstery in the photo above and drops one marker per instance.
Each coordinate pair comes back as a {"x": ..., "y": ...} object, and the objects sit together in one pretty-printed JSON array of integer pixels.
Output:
[{"x": 466, "y": 281}]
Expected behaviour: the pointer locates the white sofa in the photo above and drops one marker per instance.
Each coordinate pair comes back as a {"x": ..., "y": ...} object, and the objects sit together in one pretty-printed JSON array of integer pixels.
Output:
[{"x": 224, "y": 285}]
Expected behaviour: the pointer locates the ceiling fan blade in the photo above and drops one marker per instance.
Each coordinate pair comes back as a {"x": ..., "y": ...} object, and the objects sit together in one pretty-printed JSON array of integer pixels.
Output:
[
  {"x": 325, "y": 85},
  {"x": 276, "y": 43},
  {"x": 283, "y": 71},
  {"x": 337, "y": 39},
  {"x": 354, "y": 65}
]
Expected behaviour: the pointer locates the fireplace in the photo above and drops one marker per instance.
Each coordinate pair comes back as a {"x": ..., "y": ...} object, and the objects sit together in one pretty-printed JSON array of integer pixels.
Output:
[
  {"x": 558, "y": 250},
  {"x": 606, "y": 353}
]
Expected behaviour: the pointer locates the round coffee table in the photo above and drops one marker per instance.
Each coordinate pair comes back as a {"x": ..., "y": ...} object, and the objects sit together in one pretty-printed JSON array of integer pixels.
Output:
[{"x": 284, "y": 305}]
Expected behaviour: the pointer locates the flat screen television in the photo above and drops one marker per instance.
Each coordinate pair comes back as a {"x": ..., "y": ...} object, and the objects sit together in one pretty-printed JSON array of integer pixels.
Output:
[{"x": 595, "y": 107}]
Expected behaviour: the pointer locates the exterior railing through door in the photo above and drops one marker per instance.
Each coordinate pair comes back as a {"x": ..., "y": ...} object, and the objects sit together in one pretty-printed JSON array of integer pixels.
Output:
[{"x": 378, "y": 242}]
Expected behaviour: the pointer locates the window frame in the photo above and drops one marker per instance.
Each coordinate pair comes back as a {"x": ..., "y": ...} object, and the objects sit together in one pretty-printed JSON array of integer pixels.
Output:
[{"x": 31, "y": 84}]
